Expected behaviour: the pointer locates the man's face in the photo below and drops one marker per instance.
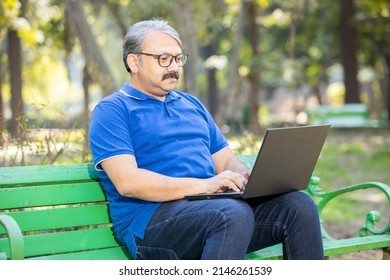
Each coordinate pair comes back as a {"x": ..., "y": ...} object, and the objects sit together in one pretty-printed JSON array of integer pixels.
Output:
[{"x": 151, "y": 78}]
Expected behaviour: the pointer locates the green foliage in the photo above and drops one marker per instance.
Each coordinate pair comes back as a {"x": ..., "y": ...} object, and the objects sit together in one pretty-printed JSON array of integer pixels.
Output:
[
  {"x": 298, "y": 43},
  {"x": 9, "y": 10},
  {"x": 248, "y": 144}
]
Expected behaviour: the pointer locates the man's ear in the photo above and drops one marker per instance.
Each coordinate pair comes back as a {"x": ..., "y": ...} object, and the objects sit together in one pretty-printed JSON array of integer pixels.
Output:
[{"x": 133, "y": 62}]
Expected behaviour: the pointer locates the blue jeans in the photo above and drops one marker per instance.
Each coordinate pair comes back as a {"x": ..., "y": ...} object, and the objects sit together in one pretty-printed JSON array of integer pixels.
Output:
[{"x": 229, "y": 228}]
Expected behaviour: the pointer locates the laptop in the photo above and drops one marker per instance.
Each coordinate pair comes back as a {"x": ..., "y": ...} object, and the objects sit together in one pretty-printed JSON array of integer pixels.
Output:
[{"x": 285, "y": 162}]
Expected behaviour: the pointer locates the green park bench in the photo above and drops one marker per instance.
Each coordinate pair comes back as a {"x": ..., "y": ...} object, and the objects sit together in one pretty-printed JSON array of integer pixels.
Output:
[
  {"x": 344, "y": 116},
  {"x": 60, "y": 212}
]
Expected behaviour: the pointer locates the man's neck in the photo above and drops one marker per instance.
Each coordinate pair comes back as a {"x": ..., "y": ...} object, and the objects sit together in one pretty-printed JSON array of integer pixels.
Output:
[{"x": 160, "y": 96}]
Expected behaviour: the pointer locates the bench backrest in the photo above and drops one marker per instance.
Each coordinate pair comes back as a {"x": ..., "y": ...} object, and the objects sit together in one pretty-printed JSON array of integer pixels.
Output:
[
  {"x": 347, "y": 115},
  {"x": 55, "y": 205}
]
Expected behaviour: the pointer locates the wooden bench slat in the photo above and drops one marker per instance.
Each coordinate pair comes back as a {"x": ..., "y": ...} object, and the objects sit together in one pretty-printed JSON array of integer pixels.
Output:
[
  {"x": 270, "y": 253},
  {"x": 42, "y": 174},
  {"x": 46, "y": 195},
  {"x": 65, "y": 242},
  {"x": 116, "y": 253},
  {"x": 355, "y": 244},
  {"x": 331, "y": 247},
  {"x": 57, "y": 218}
]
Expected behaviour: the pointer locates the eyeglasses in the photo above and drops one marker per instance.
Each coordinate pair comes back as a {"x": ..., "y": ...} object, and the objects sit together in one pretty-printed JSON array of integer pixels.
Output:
[{"x": 164, "y": 60}]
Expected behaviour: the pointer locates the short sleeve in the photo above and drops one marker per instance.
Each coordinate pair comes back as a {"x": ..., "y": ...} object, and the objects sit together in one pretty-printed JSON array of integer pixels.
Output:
[{"x": 109, "y": 133}]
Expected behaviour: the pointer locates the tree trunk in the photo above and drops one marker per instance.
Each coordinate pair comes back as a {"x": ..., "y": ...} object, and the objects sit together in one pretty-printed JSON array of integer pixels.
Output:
[
  {"x": 97, "y": 66},
  {"x": 349, "y": 49},
  {"x": 2, "y": 119},
  {"x": 115, "y": 9},
  {"x": 212, "y": 85},
  {"x": 186, "y": 29},
  {"x": 254, "y": 74},
  {"x": 86, "y": 113},
  {"x": 386, "y": 92},
  {"x": 227, "y": 97},
  {"x": 15, "y": 70}
]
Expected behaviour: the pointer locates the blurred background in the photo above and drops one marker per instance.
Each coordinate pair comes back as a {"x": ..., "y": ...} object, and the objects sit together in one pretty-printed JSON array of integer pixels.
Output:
[{"x": 253, "y": 63}]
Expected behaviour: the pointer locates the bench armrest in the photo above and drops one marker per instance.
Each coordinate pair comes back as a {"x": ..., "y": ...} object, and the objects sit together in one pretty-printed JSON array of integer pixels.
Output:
[
  {"x": 15, "y": 236},
  {"x": 371, "y": 218}
]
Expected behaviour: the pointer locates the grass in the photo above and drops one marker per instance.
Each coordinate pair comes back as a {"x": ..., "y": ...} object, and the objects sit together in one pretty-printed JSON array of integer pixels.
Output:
[
  {"x": 343, "y": 163},
  {"x": 348, "y": 160}
]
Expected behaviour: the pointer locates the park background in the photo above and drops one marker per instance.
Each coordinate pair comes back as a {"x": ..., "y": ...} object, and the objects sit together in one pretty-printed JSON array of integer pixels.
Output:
[{"x": 253, "y": 63}]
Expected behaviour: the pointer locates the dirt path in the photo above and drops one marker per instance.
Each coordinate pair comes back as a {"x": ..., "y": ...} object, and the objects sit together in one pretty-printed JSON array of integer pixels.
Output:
[{"x": 349, "y": 229}]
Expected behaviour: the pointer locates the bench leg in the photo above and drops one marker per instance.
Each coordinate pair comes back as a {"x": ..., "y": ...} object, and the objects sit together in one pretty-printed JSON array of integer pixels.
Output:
[{"x": 386, "y": 253}]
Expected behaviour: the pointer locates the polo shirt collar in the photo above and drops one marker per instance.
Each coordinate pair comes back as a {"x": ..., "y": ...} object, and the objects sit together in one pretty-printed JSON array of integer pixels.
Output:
[{"x": 138, "y": 95}]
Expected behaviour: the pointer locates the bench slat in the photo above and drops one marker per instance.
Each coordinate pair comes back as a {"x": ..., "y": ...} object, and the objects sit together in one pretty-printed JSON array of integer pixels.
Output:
[
  {"x": 57, "y": 218},
  {"x": 331, "y": 247},
  {"x": 64, "y": 242},
  {"x": 41, "y": 174},
  {"x": 355, "y": 244},
  {"x": 46, "y": 195},
  {"x": 117, "y": 253}
]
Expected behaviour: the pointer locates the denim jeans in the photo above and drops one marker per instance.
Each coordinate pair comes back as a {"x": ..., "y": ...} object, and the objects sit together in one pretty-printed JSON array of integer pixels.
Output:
[{"x": 229, "y": 228}]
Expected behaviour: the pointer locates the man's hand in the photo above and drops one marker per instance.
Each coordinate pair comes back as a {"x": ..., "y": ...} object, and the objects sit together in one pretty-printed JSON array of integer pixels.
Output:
[
  {"x": 246, "y": 174},
  {"x": 224, "y": 181}
]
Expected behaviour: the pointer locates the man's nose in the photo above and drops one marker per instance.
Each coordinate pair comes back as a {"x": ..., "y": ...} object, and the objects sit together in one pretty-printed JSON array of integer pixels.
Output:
[{"x": 173, "y": 66}]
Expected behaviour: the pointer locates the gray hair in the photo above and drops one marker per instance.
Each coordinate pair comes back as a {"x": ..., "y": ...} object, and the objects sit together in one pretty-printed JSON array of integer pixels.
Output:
[{"x": 135, "y": 36}]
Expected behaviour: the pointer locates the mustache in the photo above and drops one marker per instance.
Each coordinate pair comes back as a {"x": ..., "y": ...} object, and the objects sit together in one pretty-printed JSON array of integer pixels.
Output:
[{"x": 171, "y": 75}]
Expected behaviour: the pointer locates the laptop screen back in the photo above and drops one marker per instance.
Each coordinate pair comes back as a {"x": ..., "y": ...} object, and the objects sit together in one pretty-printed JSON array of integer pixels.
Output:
[{"x": 286, "y": 160}]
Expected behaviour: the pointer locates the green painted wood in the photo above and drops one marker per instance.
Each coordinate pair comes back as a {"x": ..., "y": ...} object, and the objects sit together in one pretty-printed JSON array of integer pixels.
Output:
[
  {"x": 73, "y": 191},
  {"x": 347, "y": 115},
  {"x": 69, "y": 241},
  {"x": 331, "y": 247},
  {"x": 57, "y": 218},
  {"x": 46, "y": 174},
  {"x": 64, "y": 242},
  {"x": 355, "y": 244},
  {"x": 16, "y": 242},
  {"x": 270, "y": 253},
  {"x": 117, "y": 253},
  {"x": 248, "y": 160},
  {"x": 48, "y": 195}
]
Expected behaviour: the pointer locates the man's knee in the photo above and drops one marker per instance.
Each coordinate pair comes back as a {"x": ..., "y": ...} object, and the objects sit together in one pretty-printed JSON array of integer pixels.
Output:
[
  {"x": 237, "y": 214},
  {"x": 302, "y": 204}
]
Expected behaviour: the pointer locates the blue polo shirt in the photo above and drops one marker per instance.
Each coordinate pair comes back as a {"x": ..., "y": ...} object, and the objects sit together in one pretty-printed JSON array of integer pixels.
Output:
[{"x": 176, "y": 138}]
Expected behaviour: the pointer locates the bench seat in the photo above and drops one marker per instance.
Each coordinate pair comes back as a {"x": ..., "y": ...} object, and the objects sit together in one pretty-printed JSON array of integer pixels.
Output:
[
  {"x": 354, "y": 115},
  {"x": 60, "y": 212}
]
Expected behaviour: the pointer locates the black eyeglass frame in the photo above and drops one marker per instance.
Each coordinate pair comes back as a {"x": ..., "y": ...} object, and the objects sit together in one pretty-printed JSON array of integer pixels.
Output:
[{"x": 173, "y": 57}]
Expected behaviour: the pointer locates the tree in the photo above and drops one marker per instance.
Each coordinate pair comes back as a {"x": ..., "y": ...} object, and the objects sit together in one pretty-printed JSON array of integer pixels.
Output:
[
  {"x": 2, "y": 118},
  {"x": 254, "y": 73},
  {"x": 94, "y": 59},
  {"x": 8, "y": 12},
  {"x": 349, "y": 49},
  {"x": 228, "y": 94},
  {"x": 374, "y": 35},
  {"x": 184, "y": 21},
  {"x": 15, "y": 67},
  {"x": 212, "y": 85}
]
